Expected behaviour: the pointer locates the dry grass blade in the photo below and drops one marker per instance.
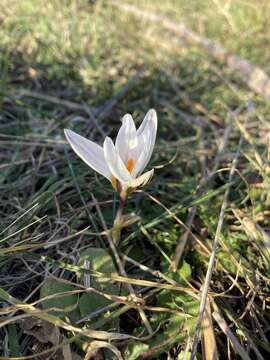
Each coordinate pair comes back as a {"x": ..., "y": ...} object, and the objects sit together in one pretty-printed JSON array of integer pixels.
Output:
[
  {"x": 214, "y": 253},
  {"x": 209, "y": 346},
  {"x": 94, "y": 346},
  {"x": 227, "y": 331}
]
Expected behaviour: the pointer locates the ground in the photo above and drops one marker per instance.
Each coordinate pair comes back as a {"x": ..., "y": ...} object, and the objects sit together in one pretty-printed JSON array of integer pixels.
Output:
[{"x": 82, "y": 65}]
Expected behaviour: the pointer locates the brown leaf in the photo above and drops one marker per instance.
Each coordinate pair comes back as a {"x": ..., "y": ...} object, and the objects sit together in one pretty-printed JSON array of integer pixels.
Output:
[{"x": 42, "y": 330}]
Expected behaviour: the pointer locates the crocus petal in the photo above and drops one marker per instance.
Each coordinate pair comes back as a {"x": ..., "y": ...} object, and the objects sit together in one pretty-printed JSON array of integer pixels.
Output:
[
  {"x": 146, "y": 138},
  {"x": 127, "y": 142},
  {"x": 91, "y": 153},
  {"x": 150, "y": 114},
  {"x": 138, "y": 182},
  {"x": 114, "y": 161}
]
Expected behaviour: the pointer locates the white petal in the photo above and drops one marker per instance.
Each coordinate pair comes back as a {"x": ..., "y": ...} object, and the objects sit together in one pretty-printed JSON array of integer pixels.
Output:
[
  {"x": 150, "y": 114},
  {"x": 127, "y": 142},
  {"x": 146, "y": 137},
  {"x": 138, "y": 182},
  {"x": 114, "y": 161},
  {"x": 91, "y": 153}
]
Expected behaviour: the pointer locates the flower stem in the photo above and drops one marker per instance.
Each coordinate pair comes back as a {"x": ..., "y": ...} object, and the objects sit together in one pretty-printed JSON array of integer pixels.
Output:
[
  {"x": 118, "y": 221},
  {"x": 120, "y": 210},
  {"x": 113, "y": 241}
]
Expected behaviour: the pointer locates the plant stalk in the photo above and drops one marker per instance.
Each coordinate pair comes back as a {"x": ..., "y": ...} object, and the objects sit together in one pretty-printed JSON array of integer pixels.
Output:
[{"x": 116, "y": 236}]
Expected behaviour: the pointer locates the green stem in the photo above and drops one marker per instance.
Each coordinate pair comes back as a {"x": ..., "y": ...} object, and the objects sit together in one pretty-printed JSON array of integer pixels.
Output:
[
  {"x": 118, "y": 221},
  {"x": 114, "y": 240}
]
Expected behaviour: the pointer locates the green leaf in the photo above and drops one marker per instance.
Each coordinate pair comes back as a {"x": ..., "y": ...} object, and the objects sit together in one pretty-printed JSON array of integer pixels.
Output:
[
  {"x": 185, "y": 355},
  {"x": 185, "y": 271},
  {"x": 13, "y": 340},
  {"x": 91, "y": 302},
  {"x": 98, "y": 260},
  {"x": 188, "y": 303},
  {"x": 67, "y": 303},
  {"x": 182, "y": 275},
  {"x": 172, "y": 328},
  {"x": 135, "y": 349},
  {"x": 174, "y": 331}
]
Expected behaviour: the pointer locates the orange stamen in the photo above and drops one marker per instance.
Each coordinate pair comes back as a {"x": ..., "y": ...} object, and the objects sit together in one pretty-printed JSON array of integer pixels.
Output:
[{"x": 130, "y": 164}]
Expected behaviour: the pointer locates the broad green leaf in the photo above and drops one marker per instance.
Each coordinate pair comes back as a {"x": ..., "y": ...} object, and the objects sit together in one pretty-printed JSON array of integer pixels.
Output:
[
  {"x": 66, "y": 303},
  {"x": 172, "y": 331},
  {"x": 98, "y": 260},
  {"x": 91, "y": 302}
]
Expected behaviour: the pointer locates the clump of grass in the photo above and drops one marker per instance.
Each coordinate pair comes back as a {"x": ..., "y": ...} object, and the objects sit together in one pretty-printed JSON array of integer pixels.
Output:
[{"x": 82, "y": 66}]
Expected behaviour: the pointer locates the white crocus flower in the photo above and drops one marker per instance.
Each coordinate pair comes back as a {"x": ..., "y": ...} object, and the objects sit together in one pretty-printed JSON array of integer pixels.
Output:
[{"x": 121, "y": 163}]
